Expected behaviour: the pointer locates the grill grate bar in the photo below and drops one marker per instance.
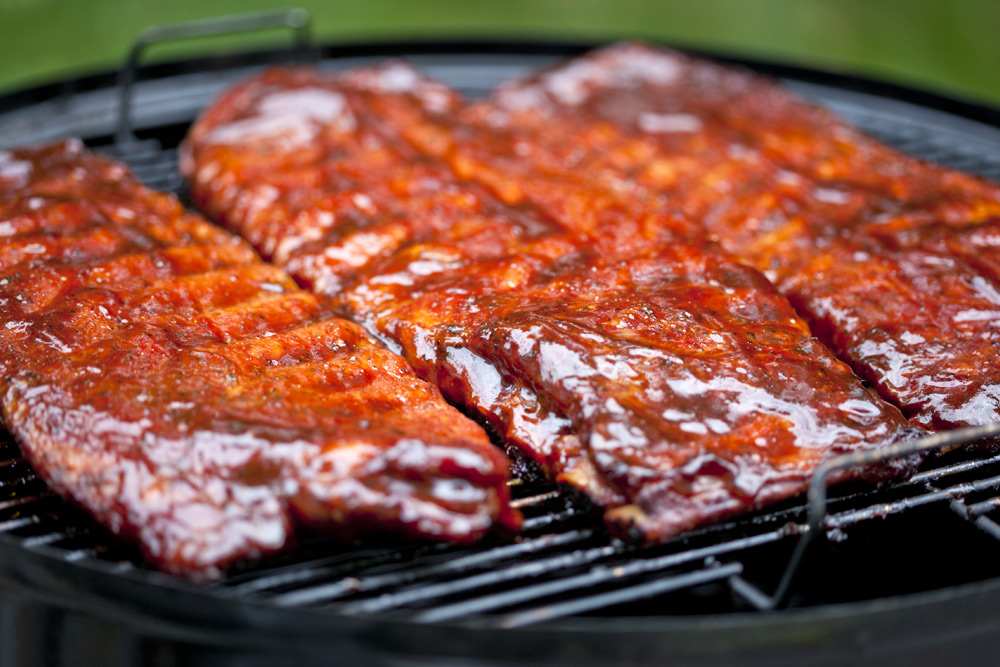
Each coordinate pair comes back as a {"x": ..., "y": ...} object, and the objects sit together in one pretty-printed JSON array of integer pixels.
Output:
[
  {"x": 983, "y": 506},
  {"x": 17, "y": 465},
  {"x": 293, "y": 570},
  {"x": 82, "y": 554},
  {"x": 25, "y": 521},
  {"x": 19, "y": 478},
  {"x": 350, "y": 585},
  {"x": 976, "y": 514},
  {"x": 21, "y": 501},
  {"x": 46, "y": 539},
  {"x": 879, "y": 510},
  {"x": 344, "y": 565},
  {"x": 593, "y": 577},
  {"x": 953, "y": 469},
  {"x": 521, "y": 503},
  {"x": 14, "y": 524},
  {"x": 302, "y": 573},
  {"x": 644, "y": 590},
  {"x": 429, "y": 592},
  {"x": 137, "y": 151},
  {"x": 751, "y": 594},
  {"x": 546, "y": 520},
  {"x": 988, "y": 526}
]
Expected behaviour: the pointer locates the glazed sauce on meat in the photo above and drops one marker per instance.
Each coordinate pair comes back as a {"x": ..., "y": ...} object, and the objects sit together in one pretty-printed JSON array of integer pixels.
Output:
[
  {"x": 894, "y": 262},
  {"x": 623, "y": 350},
  {"x": 194, "y": 399}
]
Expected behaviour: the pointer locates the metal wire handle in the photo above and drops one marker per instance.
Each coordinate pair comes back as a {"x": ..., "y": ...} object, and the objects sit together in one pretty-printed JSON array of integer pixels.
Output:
[
  {"x": 817, "y": 496},
  {"x": 296, "y": 19}
]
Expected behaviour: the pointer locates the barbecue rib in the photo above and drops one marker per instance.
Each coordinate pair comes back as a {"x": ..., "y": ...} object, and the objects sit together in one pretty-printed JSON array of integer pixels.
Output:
[
  {"x": 194, "y": 399},
  {"x": 894, "y": 262},
  {"x": 624, "y": 353}
]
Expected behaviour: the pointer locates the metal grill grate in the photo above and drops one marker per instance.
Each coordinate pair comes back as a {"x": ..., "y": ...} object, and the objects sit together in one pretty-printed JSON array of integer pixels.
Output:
[
  {"x": 563, "y": 565},
  {"x": 884, "y": 541}
]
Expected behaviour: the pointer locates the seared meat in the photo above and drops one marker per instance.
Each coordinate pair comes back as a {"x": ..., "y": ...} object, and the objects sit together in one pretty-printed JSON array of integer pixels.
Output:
[
  {"x": 626, "y": 354},
  {"x": 194, "y": 399},
  {"x": 894, "y": 262}
]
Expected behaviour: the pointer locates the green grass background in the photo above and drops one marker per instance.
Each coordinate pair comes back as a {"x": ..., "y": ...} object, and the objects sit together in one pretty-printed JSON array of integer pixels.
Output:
[{"x": 950, "y": 46}]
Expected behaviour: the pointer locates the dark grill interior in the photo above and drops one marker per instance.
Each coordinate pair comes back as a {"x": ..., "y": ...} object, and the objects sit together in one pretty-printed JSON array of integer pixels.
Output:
[{"x": 937, "y": 529}]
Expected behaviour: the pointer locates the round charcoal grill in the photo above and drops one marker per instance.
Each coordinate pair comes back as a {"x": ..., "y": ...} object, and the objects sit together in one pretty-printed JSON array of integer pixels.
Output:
[{"x": 909, "y": 571}]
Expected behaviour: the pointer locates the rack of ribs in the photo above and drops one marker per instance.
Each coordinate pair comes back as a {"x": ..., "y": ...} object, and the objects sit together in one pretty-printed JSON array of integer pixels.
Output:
[
  {"x": 628, "y": 355},
  {"x": 894, "y": 262},
  {"x": 194, "y": 399}
]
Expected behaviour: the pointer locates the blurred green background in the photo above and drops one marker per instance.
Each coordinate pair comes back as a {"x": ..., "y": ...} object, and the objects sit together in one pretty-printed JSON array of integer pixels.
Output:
[{"x": 949, "y": 46}]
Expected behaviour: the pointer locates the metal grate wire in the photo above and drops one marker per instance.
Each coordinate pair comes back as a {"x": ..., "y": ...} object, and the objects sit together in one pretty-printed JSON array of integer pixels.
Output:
[{"x": 564, "y": 566}]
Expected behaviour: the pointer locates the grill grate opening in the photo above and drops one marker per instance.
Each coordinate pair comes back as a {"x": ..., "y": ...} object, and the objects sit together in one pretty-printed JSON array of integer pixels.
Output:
[
  {"x": 677, "y": 593},
  {"x": 897, "y": 555}
]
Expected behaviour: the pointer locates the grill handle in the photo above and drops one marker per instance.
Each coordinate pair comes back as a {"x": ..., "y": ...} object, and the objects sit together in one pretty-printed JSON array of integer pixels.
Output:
[
  {"x": 296, "y": 19},
  {"x": 942, "y": 441}
]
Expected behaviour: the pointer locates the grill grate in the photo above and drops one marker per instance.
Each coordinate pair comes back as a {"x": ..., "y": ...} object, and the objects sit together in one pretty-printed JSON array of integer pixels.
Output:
[
  {"x": 895, "y": 539},
  {"x": 563, "y": 565}
]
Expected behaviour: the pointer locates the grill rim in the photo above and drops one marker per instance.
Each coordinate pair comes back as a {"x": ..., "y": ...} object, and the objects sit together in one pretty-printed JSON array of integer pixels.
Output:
[
  {"x": 974, "y": 111},
  {"x": 101, "y": 78},
  {"x": 95, "y": 587}
]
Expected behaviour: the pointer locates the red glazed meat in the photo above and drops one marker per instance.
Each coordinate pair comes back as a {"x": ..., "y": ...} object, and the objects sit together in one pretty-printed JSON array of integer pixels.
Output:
[
  {"x": 894, "y": 262},
  {"x": 626, "y": 354},
  {"x": 194, "y": 399}
]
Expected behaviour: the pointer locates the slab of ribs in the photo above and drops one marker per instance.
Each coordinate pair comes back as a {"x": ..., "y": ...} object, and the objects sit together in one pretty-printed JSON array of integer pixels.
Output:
[
  {"x": 668, "y": 284},
  {"x": 194, "y": 399},
  {"x": 894, "y": 262}
]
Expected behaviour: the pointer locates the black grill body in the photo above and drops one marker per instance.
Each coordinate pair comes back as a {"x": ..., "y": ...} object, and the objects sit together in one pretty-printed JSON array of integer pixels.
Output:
[{"x": 906, "y": 572}]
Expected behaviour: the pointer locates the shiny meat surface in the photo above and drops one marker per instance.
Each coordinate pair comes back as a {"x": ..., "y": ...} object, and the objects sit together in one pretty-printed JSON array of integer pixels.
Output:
[
  {"x": 194, "y": 399},
  {"x": 627, "y": 355},
  {"x": 894, "y": 262}
]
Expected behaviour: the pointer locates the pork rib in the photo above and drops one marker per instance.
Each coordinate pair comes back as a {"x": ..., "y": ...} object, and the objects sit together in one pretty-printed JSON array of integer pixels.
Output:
[
  {"x": 626, "y": 354},
  {"x": 894, "y": 262},
  {"x": 194, "y": 399}
]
